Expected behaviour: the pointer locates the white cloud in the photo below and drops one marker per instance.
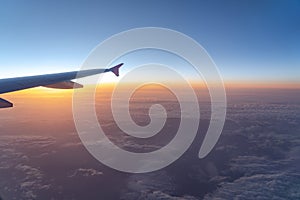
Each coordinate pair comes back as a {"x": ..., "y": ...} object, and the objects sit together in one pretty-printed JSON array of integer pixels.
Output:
[{"x": 86, "y": 172}]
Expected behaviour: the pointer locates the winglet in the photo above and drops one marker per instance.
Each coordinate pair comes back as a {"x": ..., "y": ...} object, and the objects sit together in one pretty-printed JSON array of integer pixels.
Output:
[{"x": 115, "y": 69}]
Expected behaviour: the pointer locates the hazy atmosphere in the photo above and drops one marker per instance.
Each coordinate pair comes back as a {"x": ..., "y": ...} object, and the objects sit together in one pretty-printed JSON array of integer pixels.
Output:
[{"x": 255, "y": 46}]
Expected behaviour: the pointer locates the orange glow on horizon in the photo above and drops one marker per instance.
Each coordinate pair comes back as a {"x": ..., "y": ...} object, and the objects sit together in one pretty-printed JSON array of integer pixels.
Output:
[
  {"x": 228, "y": 84},
  {"x": 49, "y": 94},
  {"x": 43, "y": 104},
  {"x": 261, "y": 84}
]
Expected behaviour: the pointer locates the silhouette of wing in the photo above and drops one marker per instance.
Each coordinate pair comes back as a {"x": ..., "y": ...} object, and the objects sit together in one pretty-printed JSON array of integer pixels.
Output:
[{"x": 59, "y": 81}]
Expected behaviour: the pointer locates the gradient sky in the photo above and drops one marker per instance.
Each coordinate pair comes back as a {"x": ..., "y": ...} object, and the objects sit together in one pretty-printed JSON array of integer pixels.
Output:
[{"x": 248, "y": 40}]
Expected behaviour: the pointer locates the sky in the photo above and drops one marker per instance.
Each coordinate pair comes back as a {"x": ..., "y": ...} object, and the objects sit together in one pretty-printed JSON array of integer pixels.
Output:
[
  {"x": 248, "y": 40},
  {"x": 251, "y": 41}
]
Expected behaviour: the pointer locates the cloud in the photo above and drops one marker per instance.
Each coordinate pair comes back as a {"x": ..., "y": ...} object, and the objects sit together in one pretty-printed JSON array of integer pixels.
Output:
[
  {"x": 260, "y": 152},
  {"x": 31, "y": 181},
  {"x": 158, "y": 185},
  {"x": 86, "y": 172},
  {"x": 257, "y": 156},
  {"x": 266, "y": 186},
  {"x": 25, "y": 180},
  {"x": 139, "y": 186},
  {"x": 158, "y": 195},
  {"x": 72, "y": 145}
]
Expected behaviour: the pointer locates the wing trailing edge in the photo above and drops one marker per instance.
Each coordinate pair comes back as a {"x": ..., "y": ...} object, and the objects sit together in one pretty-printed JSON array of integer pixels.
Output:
[{"x": 64, "y": 85}]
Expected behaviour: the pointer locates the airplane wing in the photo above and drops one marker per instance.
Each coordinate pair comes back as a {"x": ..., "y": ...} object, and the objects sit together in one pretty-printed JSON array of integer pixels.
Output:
[{"x": 59, "y": 81}]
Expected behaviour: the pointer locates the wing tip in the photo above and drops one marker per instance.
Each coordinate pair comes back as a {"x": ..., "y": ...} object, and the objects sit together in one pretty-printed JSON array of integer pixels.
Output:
[{"x": 116, "y": 68}]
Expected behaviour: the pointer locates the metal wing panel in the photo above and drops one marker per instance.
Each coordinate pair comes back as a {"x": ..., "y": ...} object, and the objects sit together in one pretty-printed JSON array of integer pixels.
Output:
[{"x": 20, "y": 83}]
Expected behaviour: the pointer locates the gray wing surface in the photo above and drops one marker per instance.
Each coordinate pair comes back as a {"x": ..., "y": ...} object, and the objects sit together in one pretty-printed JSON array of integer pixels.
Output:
[{"x": 59, "y": 80}]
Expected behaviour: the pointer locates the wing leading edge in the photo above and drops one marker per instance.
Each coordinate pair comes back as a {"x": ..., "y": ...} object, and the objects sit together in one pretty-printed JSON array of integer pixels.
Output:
[{"x": 59, "y": 80}]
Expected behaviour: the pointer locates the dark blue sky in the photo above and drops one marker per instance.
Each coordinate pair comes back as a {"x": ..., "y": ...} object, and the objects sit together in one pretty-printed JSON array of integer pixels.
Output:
[{"x": 248, "y": 40}]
